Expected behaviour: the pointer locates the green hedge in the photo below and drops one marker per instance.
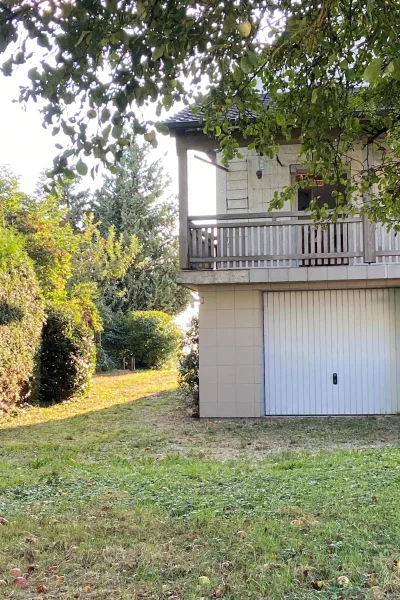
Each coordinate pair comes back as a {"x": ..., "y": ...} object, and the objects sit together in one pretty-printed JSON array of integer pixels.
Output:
[
  {"x": 21, "y": 320},
  {"x": 68, "y": 355},
  {"x": 152, "y": 337}
]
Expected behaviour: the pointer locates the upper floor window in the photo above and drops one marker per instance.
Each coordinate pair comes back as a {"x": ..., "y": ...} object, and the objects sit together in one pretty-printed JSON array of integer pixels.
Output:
[{"x": 321, "y": 191}]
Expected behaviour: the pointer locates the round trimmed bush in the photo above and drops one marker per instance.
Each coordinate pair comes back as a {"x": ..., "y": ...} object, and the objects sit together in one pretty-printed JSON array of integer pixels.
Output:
[
  {"x": 21, "y": 321},
  {"x": 152, "y": 337},
  {"x": 68, "y": 355}
]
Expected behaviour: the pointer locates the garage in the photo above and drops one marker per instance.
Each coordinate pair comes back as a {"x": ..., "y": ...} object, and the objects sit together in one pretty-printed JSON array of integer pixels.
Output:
[{"x": 332, "y": 352}]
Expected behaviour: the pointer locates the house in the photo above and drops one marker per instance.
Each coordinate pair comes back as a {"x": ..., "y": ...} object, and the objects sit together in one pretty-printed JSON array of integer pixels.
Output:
[{"x": 295, "y": 318}]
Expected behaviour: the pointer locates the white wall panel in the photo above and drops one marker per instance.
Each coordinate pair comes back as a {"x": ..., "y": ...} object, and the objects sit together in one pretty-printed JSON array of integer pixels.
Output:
[{"x": 312, "y": 334}]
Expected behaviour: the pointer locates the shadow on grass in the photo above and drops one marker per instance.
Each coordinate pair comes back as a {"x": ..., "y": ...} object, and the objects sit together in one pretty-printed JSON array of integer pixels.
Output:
[{"x": 143, "y": 409}]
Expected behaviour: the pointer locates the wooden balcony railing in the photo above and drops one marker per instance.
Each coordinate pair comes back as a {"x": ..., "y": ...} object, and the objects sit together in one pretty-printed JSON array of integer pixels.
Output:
[{"x": 286, "y": 239}]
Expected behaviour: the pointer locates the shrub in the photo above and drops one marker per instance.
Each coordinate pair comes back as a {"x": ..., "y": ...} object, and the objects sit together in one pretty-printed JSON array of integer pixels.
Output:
[
  {"x": 152, "y": 337},
  {"x": 114, "y": 345},
  {"x": 68, "y": 355},
  {"x": 189, "y": 366},
  {"x": 21, "y": 320},
  {"x": 105, "y": 361}
]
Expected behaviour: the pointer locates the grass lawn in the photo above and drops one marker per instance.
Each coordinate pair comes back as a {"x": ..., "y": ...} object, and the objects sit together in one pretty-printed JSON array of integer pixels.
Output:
[{"x": 122, "y": 495}]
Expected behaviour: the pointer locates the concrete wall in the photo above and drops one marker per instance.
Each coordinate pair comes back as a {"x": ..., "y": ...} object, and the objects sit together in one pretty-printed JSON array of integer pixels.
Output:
[{"x": 231, "y": 352}]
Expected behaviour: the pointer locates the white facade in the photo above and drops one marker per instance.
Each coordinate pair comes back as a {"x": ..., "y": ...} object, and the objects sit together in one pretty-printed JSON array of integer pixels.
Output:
[
  {"x": 294, "y": 319},
  {"x": 240, "y": 191},
  {"x": 272, "y": 349}
]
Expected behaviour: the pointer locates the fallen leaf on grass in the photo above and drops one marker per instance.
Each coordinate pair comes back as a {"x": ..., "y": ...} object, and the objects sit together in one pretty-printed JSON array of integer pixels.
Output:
[
  {"x": 32, "y": 568},
  {"x": 3, "y": 521},
  {"x": 296, "y": 522},
  {"x": 272, "y": 566},
  {"x": 32, "y": 539},
  {"x": 219, "y": 592},
  {"x": 317, "y": 585},
  {"x": 372, "y": 581},
  {"x": 87, "y": 588},
  {"x": 15, "y": 571},
  {"x": 40, "y": 589},
  {"x": 377, "y": 593},
  {"x": 53, "y": 568},
  {"x": 3, "y": 582},
  {"x": 21, "y": 582},
  {"x": 242, "y": 533}
]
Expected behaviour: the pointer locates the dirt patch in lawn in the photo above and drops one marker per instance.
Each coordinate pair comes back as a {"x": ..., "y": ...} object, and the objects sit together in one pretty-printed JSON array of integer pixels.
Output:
[{"x": 254, "y": 438}]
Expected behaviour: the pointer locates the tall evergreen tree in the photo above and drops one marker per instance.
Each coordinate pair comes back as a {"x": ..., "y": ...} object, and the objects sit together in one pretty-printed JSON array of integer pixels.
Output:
[{"x": 133, "y": 202}]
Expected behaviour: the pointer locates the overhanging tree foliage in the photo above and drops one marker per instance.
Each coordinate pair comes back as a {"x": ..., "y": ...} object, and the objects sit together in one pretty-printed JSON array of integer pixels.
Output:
[{"x": 331, "y": 67}]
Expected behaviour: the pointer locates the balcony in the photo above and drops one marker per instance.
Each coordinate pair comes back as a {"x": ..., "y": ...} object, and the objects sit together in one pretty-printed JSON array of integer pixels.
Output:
[{"x": 286, "y": 240}]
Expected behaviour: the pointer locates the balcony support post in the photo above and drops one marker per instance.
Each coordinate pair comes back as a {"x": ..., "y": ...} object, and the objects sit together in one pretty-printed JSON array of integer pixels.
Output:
[
  {"x": 368, "y": 226},
  {"x": 369, "y": 240},
  {"x": 183, "y": 205}
]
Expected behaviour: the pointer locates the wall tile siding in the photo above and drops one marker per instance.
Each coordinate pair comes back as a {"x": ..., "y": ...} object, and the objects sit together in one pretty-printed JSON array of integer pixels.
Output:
[{"x": 231, "y": 352}]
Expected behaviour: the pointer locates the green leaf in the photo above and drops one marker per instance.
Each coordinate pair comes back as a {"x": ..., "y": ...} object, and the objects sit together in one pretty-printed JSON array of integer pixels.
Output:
[
  {"x": 158, "y": 52},
  {"x": 314, "y": 96},
  {"x": 121, "y": 101},
  {"x": 245, "y": 64},
  {"x": 230, "y": 22},
  {"x": 105, "y": 115},
  {"x": 281, "y": 119},
  {"x": 33, "y": 73},
  {"x": 253, "y": 58},
  {"x": 370, "y": 6},
  {"x": 81, "y": 38},
  {"x": 81, "y": 168},
  {"x": 116, "y": 131},
  {"x": 105, "y": 134},
  {"x": 373, "y": 70},
  {"x": 7, "y": 67},
  {"x": 161, "y": 128},
  {"x": 393, "y": 68},
  {"x": 151, "y": 89}
]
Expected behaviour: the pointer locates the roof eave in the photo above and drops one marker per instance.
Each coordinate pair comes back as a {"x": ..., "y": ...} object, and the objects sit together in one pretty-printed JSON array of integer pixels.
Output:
[{"x": 189, "y": 125}]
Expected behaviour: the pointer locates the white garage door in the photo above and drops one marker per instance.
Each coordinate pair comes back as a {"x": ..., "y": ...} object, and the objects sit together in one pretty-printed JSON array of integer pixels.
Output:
[{"x": 332, "y": 352}]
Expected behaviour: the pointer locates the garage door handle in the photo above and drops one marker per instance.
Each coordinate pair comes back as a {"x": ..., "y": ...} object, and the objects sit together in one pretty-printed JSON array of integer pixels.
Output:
[{"x": 334, "y": 379}]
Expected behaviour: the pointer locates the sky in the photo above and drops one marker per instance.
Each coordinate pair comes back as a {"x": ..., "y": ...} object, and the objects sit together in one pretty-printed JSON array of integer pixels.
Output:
[{"x": 29, "y": 149}]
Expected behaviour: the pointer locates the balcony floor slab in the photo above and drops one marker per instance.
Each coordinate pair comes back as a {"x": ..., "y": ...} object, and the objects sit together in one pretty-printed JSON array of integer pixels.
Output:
[{"x": 300, "y": 275}]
